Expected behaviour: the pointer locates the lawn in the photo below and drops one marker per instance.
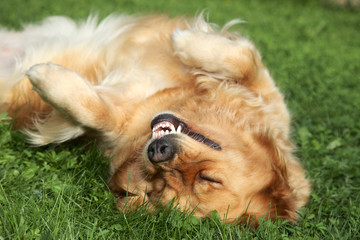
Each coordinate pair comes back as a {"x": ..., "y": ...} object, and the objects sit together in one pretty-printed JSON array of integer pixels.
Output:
[{"x": 313, "y": 52}]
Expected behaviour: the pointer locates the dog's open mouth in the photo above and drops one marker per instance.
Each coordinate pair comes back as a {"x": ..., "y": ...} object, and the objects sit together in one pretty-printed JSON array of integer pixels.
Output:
[{"x": 166, "y": 123}]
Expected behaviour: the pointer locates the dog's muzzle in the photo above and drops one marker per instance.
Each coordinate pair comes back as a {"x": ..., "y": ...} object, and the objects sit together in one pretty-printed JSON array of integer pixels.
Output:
[{"x": 167, "y": 125}]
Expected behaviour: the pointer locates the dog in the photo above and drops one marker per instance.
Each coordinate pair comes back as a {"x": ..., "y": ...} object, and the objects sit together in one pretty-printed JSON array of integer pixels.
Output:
[{"x": 187, "y": 110}]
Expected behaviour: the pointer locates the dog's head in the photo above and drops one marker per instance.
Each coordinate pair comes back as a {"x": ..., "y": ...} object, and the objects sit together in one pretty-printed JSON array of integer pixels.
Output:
[{"x": 202, "y": 157}]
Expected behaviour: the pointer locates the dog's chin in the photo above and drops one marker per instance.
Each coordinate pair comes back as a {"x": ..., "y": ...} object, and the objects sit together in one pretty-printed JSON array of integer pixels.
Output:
[
  {"x": 132, "y": 200},
  {"x": 148, "y": 189}
]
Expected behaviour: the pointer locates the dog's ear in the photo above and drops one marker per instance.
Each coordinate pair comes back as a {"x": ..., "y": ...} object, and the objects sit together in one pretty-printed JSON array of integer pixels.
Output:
[
  {"x": 278, "y": 193},
  {"x": 278, "y": 148}
]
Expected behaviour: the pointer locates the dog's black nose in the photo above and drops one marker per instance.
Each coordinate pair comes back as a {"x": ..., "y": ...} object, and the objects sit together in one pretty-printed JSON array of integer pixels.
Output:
[{"x": 161, "y": 150}]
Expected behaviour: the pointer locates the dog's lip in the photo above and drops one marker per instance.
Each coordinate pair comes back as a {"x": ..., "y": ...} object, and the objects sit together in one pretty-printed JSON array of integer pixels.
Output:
[
  {"x": 166, "y": 123},
  {"x": 167, "y": 117}
]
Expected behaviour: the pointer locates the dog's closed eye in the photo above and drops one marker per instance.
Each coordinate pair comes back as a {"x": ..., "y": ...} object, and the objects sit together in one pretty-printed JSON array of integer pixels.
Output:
[{"x": 210, "y": 179}]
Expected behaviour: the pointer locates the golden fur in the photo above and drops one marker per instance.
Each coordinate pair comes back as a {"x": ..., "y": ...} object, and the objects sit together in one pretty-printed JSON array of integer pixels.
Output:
[{"x": 232, "y": 152}]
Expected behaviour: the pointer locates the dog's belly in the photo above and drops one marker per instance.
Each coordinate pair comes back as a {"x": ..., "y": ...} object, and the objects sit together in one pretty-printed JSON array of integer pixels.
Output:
[
  {"x": 134, "y": 84},
  {"x": 117, "y": 56}
]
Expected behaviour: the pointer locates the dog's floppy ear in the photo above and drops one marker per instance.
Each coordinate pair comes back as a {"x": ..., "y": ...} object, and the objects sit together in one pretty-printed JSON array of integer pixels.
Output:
[
  {"x": 278, "y": 193},
  {"x": 278, "y": 148}
]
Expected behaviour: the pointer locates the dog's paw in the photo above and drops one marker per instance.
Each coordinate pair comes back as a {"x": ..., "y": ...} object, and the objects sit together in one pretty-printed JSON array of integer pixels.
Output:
[
  {"x": 222, "y": 57},
  {"x": 56, "y": 84},
  {"x": 181, "y": 40},
  {"x": 200, "y": 49},
  {"x": 41, "y": 77},
  {"x": 184, "y": 43}
]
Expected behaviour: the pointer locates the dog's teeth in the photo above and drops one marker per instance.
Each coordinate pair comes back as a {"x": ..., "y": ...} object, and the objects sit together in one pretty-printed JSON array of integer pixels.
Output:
[
  {"x": 179, "y": 129},
  {"x": 164, "y": 128},
  {"x": 173, "y": 130}
]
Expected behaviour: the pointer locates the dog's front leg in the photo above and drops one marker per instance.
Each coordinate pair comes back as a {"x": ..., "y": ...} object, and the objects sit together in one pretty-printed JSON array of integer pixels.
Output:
[
  {"x": 228, "y": 58},
  {"x": 224, "y": 58},
  {"x": 73, "y": 96},
  {"x": 235, "y": 59}
]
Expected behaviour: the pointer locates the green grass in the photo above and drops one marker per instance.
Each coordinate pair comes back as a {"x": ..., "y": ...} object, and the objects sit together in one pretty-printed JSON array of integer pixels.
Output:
[{"x": 313, "y": 52}]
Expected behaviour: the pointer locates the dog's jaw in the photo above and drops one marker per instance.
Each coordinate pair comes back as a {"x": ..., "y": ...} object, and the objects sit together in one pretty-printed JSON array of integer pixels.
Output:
[{"x": 167, "y": 123}]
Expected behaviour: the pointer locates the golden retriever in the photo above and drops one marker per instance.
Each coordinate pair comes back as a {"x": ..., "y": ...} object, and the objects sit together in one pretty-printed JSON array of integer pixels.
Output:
[{"x": 187, "y": 110}]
